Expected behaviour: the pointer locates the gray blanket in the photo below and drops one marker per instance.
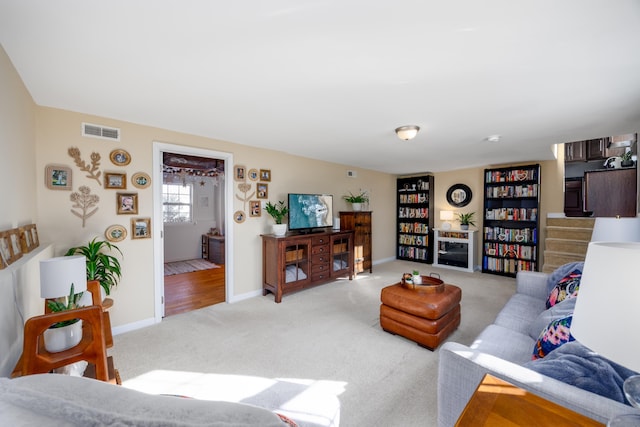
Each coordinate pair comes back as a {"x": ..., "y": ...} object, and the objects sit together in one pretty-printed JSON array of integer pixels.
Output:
[{"x": 575, "y": 364}]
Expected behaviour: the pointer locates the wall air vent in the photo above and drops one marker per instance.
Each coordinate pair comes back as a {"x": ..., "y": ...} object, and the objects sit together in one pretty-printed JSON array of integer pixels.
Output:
[{"x": 98, "y": 131}]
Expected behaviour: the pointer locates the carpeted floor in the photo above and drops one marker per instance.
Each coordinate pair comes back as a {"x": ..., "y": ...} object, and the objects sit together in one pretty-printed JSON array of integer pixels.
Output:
[
  {"x": 179, "y": 267},
  {"x": 325, "y": 339}
]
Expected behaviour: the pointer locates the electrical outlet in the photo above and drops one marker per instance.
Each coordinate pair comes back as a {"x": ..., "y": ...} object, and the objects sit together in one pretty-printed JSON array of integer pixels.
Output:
[{"x": 352, "y": 174}]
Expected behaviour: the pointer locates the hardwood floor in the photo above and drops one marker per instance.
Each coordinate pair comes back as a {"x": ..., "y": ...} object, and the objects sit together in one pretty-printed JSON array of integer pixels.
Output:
[{"x": 190, "y": 291}]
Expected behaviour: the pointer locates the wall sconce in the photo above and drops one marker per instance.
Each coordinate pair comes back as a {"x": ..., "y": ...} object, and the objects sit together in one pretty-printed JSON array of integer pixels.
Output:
[
  {"x": 446, "y": 216},
  {"x": 407, "y": 132}
]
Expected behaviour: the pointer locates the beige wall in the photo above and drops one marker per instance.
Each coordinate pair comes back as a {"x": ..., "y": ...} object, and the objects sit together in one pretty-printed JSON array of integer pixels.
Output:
[{"x": 58, "y": 130}]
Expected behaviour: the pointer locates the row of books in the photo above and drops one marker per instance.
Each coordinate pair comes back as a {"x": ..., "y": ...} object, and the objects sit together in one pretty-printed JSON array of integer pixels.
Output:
[
  {"x": 414, "y": 198},
  {"x": 413, "y": 213},
  {"x": 412, "y": 252},
  {"x": 453, "y": 235},
  {"x": 508, "y": 250},
  {"x": 414, "y": 240},
  {"x": 505, "y": 265},
  {"x": 510, "y": 175},
  {"x": 414, "y": 227},
  {"x": 520, "y": 235},
  {"x": 512, "y": 214},
  {"x": 512, "y": 191}
]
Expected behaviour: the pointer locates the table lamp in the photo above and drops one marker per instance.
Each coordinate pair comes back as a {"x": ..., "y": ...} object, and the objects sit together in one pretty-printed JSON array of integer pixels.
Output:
[
  {"x": 616, "y": 229},
  {"x": 606, "y": 328},
  {"x": 57, "y": 274},
  {"x": 446, "y": 216}
]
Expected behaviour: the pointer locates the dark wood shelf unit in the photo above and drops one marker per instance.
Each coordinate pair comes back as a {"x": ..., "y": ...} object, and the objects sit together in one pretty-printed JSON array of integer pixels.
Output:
[
  {"x": 511, "y": 220},
  {"x": 297, "y": 261},
  {"x": 360, "y": 223},
  {"x": 414, "y": 210}
]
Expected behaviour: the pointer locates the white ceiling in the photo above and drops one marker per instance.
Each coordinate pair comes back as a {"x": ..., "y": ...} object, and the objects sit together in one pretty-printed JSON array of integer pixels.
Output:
[{"x": 332, "y": 79}]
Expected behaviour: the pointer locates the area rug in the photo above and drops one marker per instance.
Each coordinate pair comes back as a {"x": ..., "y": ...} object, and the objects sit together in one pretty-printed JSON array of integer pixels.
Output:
[{"x": 179, "y": 267}]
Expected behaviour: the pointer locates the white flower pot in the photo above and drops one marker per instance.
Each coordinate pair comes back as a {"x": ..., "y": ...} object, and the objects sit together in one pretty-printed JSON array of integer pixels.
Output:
[
  {"x": 279, "y": 229},
  {"x": 60, "y": 339},
  {"x": 356, "y": 206}
]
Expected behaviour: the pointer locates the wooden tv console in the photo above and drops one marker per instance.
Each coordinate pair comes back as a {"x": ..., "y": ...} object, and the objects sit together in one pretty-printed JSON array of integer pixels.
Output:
[{"x": 298, "y": 261}]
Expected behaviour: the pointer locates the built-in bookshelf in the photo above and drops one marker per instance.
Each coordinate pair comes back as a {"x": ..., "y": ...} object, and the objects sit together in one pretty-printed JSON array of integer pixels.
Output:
[
  {"x": 415, "y": 219},
  {"x": 511, "y": 220}
]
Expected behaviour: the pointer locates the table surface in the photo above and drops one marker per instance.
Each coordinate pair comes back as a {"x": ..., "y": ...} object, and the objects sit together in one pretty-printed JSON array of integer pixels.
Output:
[{"x": 498, "y": 403}]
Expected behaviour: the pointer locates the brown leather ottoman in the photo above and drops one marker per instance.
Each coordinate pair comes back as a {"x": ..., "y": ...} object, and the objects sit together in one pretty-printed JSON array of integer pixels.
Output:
[{"x": 427, "y": 318}]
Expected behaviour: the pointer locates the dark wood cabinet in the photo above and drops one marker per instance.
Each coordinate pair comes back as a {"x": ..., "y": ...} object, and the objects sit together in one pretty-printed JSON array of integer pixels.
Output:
[
  {"x": 360, "y": 224},
  {"x": 511, "y": 221},
  {"x": 414, "y": 209},
  {"x": 295, "y": 262},
  {"x": 575, "y": 151},
  {"x": 573, "y": 197},
  {"x": 213, "y": 248},
  {"x": 611, "y": 192}
]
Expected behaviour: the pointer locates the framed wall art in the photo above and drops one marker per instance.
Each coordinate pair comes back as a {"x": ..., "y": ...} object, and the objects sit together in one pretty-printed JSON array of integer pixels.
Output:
[
  {"x": 34, "y": 235},
  {"x": 254, "y": 208},
  {"x": 115, "y": 180},
  {"x": 14, "y": 242},
  {"x": 253, "y": 174},
  {"x": 120, "y": 157},
  {"x": 263, "y": 190},
  {"x": 141, "y": 228},
  {"x": 26, "y": 241},
  {"x": 141, "y": 180},
  {"x": 115, "y": 233},
  {"x": 127, "y": 203},
  {"x": 240, "y": 173},
  {"x": 57, "y": 177},
  {"x": 6, "y": 256},
  {"x": 265, "y": 174},
  {"x": 239, "y": 217}
]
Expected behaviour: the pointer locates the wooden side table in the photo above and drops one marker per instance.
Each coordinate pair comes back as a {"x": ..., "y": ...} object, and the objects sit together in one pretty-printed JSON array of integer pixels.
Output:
[{"x": 498, "y": 403}]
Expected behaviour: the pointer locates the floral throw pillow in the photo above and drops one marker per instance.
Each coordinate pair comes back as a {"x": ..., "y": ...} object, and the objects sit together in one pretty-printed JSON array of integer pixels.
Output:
[
  {"x": 558, "y": 332},
  {"x": 566, "y": 288}
]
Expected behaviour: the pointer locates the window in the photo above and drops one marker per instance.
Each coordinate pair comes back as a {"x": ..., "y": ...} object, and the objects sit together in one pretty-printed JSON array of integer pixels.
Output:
[{"x": 177, "y": 202}]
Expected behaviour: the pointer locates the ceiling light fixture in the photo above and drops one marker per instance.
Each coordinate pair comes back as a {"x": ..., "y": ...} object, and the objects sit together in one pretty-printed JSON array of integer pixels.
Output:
[
  {"x": 494, "y": 138},
  {"x": 407, "y": 132}
]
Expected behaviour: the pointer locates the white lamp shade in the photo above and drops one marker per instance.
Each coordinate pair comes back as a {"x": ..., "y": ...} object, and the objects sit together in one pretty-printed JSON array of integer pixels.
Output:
[
  {"x": 57, "y": 275},
  {"x": 446, "y": 215},
  {"x": 616, "y": 230},
  {"x": 605, "y": 318}
]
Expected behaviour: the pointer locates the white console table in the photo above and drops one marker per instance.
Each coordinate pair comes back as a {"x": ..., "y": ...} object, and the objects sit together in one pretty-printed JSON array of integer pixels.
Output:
[{"x": 455, "y": 249}]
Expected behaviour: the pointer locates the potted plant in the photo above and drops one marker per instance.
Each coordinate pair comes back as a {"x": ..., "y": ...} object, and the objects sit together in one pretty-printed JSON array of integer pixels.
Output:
[
  {"x": 626, "y": 159},
  {"x": 63, "y": 335},
  {"x": 356, "y": 200},
  {"x": 100, "y": 266},
  {"x": 278, "y": 212},
  {"x": 466, "y": 219}
]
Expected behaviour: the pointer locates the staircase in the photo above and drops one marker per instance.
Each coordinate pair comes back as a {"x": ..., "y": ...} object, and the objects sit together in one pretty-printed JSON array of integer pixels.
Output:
[{"x": 567, "y": 240}]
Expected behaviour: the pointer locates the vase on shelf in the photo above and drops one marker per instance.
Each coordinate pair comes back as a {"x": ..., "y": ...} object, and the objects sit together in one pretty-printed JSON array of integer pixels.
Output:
[
  {"x": 357, "y": 207},
  {"x": 279, "y": 229}
]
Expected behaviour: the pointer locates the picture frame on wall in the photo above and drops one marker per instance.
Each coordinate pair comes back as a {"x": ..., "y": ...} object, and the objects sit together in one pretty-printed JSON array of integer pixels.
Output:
[
  {"x": 120, "y": 157},
  {"x": 58, "y": 177},
  {"x": 26, "y": 241},
  {"x": 254, "y": 208},
  {"x": 141, "y": 180},
  {"x": 6, "y": 257},
  {"x": 262, "y": 190},
  {"x": 265, "y": 175},
  {"x": 115, "y": 233},
  {"x": 141, "y": 228},
  {"x": 113, "y": 180},
  {"x": 253, "y": 174},
  {"x": 240, "y": 173},
  {"x": 14, "y": 243},
  {"x": 127, "y": 203}
]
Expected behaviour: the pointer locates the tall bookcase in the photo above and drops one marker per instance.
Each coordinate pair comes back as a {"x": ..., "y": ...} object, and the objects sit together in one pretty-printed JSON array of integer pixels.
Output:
[
  {"x": 415, "y": 219},
  {"x": 511, "y": 221}
]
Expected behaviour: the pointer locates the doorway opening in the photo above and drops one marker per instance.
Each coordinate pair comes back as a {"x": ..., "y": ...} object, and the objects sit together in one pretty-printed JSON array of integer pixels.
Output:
[{"x": 191, "y": 213}]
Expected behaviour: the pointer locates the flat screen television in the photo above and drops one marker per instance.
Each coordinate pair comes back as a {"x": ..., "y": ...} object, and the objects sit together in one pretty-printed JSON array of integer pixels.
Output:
[{"x": 310, "y": 211}]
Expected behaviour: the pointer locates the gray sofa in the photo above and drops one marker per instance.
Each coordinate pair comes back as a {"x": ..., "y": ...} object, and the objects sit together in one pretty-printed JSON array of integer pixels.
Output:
[{"x": 503, "y": 348}]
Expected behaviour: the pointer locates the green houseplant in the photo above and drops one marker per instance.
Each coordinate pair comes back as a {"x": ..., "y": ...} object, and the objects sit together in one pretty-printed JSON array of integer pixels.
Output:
[
  {"x": 466, "y": 219},
  {"x": 101, "y": 266},
  {"x": 356, "y": 200},
  {"x": 627, "y": 159},
  {"x": 278, "y": 212}
]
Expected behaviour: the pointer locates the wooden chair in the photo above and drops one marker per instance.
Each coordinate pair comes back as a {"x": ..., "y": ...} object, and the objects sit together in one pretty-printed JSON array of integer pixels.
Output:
[{"x": 96, "y": 338}]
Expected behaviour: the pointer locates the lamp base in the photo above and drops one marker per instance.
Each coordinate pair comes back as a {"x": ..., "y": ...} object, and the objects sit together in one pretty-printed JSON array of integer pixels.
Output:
[{"x": 446, "y": 226}]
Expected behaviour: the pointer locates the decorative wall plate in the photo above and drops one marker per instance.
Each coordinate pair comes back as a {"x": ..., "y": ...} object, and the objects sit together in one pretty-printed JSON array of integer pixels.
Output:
[
  {"x": 115, "y": 233},
  {"x": 141, "y": 180},
  {"x": 120, "y": 157}
]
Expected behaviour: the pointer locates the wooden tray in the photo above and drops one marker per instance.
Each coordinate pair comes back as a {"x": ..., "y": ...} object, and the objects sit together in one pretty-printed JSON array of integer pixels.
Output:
[{"x": 430, "y": 285}]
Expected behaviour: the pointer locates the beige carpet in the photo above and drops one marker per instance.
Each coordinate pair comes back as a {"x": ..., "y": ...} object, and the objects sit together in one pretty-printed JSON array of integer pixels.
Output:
[
  {"x": 326, "y": 337},
  {"x": 188, "y": 266}
]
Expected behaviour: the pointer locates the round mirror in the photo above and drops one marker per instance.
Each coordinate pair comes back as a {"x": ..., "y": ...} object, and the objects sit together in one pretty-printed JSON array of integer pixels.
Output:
[{"x": 459, "y": 195}]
